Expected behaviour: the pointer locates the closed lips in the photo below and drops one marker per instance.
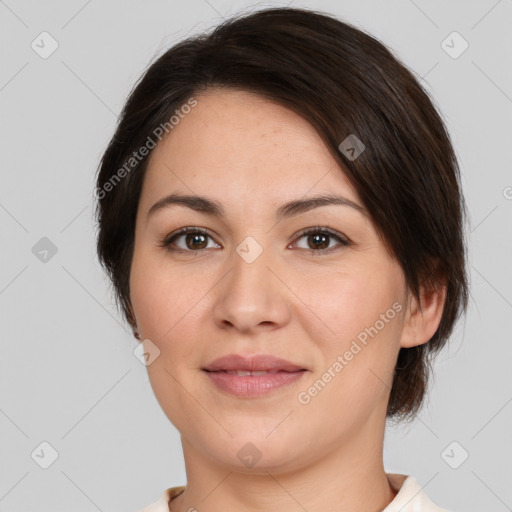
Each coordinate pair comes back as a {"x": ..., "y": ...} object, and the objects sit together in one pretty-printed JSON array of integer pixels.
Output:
[
  {"x": 252, "y": 375},
  {"x": 252, "y": 363}
]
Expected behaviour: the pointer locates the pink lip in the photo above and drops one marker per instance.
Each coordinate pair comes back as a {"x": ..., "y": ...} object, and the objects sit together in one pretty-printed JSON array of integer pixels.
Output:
[
  {"x": 254, "y": 362},
  {"x": 252, "y": 386},
  {"x": 247, "y": 386}
]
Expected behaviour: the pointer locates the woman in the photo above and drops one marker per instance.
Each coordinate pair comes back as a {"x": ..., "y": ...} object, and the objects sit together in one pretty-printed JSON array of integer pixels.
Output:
[{"x": 281, "y": 215}]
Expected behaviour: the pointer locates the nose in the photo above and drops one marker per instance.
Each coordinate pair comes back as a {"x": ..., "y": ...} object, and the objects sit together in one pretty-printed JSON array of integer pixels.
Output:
[{"x": 252, "y": 295}]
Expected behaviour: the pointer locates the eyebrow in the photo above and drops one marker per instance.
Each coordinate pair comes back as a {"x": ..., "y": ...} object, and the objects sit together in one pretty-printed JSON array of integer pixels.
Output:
[{"x": 289, "y": 209}]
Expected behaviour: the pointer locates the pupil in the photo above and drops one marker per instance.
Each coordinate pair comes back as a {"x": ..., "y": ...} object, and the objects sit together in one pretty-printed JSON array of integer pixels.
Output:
[
  {"x": 319, "y": 237},
  {"x": 194, "y": 238}
]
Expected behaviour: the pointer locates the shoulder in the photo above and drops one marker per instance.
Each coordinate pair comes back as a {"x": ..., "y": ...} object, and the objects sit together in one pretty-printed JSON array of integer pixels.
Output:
[
  {"x": 411, "y": 497},
  {"x": 162, "y": 504}
]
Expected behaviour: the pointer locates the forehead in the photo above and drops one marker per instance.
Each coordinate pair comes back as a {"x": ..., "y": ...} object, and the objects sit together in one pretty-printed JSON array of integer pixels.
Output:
[{"x": 243, "y": 147}]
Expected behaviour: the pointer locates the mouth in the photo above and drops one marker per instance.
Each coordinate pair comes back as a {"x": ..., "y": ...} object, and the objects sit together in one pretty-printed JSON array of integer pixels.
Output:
[{"x": 252, "y": 375}]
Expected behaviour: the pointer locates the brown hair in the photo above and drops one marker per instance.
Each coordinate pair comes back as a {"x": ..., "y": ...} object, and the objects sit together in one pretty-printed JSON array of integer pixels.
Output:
[{"x": 344, "y": 82}]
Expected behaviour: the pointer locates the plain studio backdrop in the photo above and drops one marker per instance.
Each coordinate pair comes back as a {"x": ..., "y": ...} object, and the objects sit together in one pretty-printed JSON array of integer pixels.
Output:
[{"x": 80, "y": 428}]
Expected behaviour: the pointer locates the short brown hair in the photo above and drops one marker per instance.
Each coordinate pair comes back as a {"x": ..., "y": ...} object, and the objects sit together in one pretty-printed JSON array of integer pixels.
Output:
[{"x": 344, "y": 82}]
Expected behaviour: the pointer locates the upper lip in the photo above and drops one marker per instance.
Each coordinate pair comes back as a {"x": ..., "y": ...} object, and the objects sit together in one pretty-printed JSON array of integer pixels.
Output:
[{"x": 254, "y": 362}]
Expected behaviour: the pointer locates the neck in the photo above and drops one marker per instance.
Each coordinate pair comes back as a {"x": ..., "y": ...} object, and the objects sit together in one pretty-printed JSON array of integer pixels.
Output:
[{"x": 349, "y": 476}]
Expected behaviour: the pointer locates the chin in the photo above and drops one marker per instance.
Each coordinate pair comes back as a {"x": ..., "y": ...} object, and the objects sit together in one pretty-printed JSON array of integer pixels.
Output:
[{"x": 252, "y": 453}]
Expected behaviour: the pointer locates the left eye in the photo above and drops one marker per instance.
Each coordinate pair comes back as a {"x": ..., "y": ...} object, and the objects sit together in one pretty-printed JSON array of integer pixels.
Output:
[
  {"x": 196, "y": 239},
  {"x": 318, "y": 239}
]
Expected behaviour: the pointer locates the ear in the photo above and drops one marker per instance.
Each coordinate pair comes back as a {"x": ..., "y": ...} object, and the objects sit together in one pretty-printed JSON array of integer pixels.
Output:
[{"x": 422, "y": 317}]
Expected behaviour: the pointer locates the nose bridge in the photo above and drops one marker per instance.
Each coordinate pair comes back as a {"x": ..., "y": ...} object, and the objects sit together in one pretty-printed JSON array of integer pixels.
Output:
[{"x": 251, "y": 294}]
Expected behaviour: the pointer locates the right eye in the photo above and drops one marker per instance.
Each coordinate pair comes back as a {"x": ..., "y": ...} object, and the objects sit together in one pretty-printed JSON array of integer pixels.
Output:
[{"x": 194, "y": 238}]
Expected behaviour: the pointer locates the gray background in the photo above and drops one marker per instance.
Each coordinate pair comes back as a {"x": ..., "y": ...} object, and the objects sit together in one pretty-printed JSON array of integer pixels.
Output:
[{"x": 68, "y": 375}]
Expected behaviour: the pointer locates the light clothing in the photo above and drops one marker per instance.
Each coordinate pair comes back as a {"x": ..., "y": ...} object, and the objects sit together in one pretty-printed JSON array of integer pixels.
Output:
[{"x": 410, "y": 497}]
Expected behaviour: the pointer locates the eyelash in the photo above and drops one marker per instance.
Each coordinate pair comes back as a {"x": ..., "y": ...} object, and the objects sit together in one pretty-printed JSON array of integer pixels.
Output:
[{"x": 318, "y": 230}]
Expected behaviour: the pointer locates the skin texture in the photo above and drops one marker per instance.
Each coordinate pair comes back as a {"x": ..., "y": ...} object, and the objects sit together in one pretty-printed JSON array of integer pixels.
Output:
[{"x": 252, "y": 155}]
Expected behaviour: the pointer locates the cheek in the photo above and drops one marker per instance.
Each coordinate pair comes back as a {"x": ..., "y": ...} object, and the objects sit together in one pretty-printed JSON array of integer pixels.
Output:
[
  {"x": 358, "y": 337},
  {"x": 167, "y": 309},
  {"x": 160, "y": 298},
  {"x": 345, "y": 303},
  {"x": 169, "y": 305}
]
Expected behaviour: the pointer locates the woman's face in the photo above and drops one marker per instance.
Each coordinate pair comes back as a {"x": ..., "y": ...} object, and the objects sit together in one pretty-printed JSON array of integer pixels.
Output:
[{"x": 256, "y": 284}]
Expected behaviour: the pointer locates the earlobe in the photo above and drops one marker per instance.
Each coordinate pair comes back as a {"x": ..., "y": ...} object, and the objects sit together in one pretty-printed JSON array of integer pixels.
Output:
[{"x": 423, "y": 318}]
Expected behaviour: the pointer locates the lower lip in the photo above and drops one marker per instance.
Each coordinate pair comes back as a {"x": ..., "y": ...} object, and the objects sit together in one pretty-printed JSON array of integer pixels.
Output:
[{"x": 248, "y": 386}]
